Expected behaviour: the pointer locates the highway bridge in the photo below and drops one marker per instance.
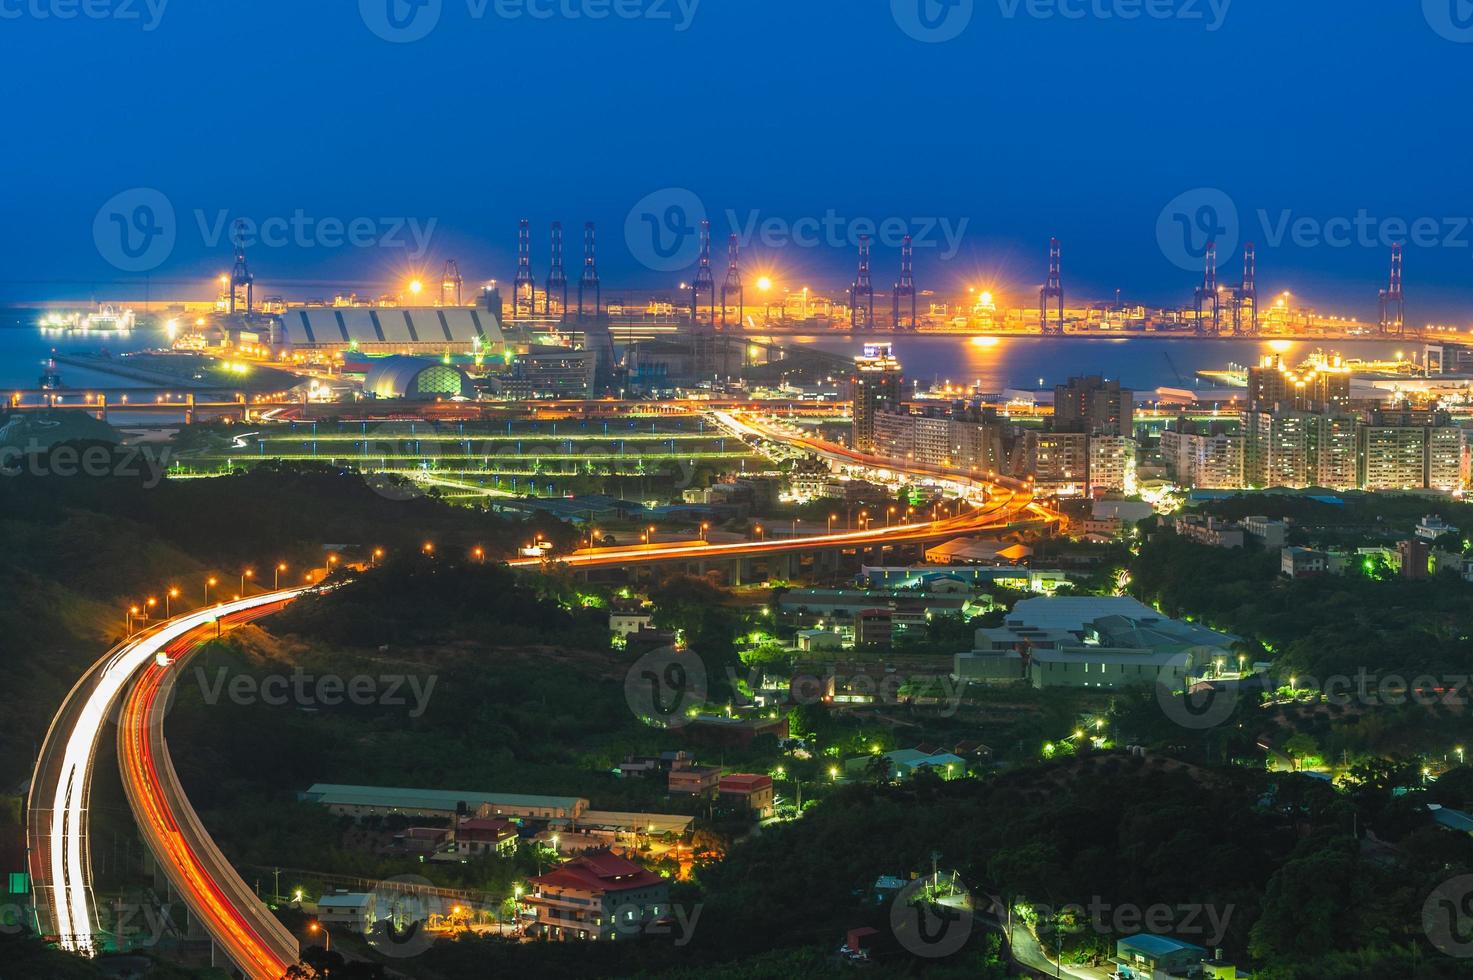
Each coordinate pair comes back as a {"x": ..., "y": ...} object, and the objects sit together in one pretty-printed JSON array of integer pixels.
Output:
[{"x": 132, "y": 681}]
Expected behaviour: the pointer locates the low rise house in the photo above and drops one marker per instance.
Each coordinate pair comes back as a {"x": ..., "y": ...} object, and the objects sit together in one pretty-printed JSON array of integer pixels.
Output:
[
  {"x": 597, "y": 896},
  {"x": 1147, "y": 955},
  {"x": 485, "y": 835},
  {"x": 1211, "y": 531},
  {"x": 1266, "y": 531},
  {"x": 749, "y": 791},
  {"x": 694, "y": 780},
  {"x": 1302, "y": 562},
  {"x": 353, "y": 911},
  {"x": 1432, "y": 527},
  {"x": 629, "y": 616}
]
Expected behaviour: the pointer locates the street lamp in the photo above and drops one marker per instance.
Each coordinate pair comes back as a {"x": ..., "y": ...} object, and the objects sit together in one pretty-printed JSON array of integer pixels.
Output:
[
  {"x": 208, "y": 582},
  {"x": 377, "y": 554},
  {"x": 758, "y": 530},
  {"x": 428, "y": 548},
  {"x": 705, "y": 528},
  {"x": 173, "y": 593},
  {"x": 276, "y": 576},
  {"x": 315, "y": 928},
  {"x": 831, "y": 522},
  {"x": 479, "y": 553},
  {"x": 132, "y": 611},
  {"x": 248, "y": 573}
]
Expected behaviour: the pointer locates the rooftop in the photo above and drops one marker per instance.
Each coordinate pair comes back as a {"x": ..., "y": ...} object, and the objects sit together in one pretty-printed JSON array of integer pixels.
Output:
[{"x": 330, "y": 794}]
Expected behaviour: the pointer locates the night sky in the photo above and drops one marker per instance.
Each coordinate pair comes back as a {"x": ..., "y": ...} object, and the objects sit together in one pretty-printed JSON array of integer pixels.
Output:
[{"x": 1028, "y": 123}]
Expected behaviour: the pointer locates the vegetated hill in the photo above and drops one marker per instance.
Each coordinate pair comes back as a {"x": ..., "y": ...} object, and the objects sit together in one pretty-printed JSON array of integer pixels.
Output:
[{"x": 76, "y": 551}]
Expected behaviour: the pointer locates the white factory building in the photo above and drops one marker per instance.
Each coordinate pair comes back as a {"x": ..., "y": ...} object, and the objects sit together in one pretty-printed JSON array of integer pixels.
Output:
[{"x": 391, "y": 330}]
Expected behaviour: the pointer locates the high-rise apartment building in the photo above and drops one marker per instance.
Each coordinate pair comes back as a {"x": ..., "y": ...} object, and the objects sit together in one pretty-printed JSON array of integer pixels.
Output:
[
  {"x": 877, "y": 385},
  {"x": 1092, "y": 404}
]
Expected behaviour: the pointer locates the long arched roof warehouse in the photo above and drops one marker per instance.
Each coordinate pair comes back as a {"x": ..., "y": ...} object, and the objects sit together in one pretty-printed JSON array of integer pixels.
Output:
[{"x": 416, "y": 378}]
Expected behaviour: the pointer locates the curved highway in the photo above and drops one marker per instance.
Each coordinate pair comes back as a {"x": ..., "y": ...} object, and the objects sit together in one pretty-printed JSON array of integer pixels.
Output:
[{"x": 134, "y": 679}]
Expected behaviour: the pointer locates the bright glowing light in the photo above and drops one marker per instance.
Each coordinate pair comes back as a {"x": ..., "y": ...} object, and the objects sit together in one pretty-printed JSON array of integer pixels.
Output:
[
  {"x": 416, "y": 287},
  {"x": 1279, "y": 346},
  {"x": 984, "y": 341},
  {"x": 764, "y": 283}
]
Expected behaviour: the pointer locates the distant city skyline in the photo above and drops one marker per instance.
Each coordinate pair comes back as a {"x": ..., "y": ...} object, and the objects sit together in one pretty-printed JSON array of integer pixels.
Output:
[{"x": 1005, "y": 138}]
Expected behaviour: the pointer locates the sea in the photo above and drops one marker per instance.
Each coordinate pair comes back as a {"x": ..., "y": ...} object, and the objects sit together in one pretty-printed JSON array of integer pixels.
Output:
[{"x": 991, "y": 364}]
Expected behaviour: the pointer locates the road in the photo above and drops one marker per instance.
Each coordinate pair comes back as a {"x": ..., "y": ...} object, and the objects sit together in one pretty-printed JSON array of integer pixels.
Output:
[
  {"x": 130, "y": 680},
  {"x": 238, "y": 922}
]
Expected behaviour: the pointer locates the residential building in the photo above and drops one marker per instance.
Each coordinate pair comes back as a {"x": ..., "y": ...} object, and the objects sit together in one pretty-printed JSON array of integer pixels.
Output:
[
  {"x": 597, "y": 896},
  {"x": 1392, "y": 457},
  {"x": 749, "y": 791},
  {"x": 1266, "y": 531},
  {"x": 877, "y": 387},
  {"x": 1415, "y": 556},
  {"x": 1319, "y": 386},
  {"x": 1111, "y": 465},
  {"x": 1092, "y": 404},
  {"x": 1209, "y": 461},
  {"x": 354, "y": 911},
  {"x": 1302, "y": 562},
  {"x": 1058, "y": 462},
  {"x": 628, "y": 616},
  {"x": 485, "y": 835},
  {"x": 693, "y": 780},
  {"x": 1432, "y": 527},
  {"x": 1211, "y": 531},
  {"x": 1332, "y": 451},
  {"x": 1277, "y": 448},
  {"x": 873, "y": 627}
]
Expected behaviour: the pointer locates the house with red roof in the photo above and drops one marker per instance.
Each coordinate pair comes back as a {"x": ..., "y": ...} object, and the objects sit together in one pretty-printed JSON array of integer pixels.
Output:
[
  {"x": 485, "y": 835},
  {"x": 597, "y": 895},
  {"x": 748, "y": 791}
]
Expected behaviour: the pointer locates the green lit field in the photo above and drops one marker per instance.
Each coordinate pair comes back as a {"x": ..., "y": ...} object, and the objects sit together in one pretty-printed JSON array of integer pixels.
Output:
[{"x": 485, "y": 459}]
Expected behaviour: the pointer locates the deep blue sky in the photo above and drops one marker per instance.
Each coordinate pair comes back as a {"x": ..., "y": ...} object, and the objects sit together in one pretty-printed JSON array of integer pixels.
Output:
[{"x": 1026, "y": 127}]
